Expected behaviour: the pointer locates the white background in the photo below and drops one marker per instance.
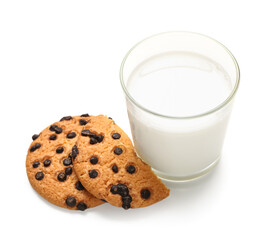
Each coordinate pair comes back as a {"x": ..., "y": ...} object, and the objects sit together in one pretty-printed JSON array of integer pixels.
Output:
[{"x": 62, "y": 58}]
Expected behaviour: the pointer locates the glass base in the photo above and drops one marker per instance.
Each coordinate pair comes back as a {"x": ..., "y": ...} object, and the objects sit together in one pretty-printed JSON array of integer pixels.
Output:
[{"x": 197, "y": 175}]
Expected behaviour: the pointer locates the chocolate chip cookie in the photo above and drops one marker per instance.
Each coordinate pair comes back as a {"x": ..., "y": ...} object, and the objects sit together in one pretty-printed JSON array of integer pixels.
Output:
[
  {"x": 106, "y": 164},
  {"x": 49, "y": 164}
]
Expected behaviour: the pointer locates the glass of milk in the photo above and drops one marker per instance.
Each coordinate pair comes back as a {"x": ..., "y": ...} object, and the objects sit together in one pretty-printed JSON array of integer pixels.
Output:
[{"x": 179, "y": 89}]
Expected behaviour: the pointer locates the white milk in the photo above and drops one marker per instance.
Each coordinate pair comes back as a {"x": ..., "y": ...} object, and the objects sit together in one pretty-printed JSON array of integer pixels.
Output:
[{"x": 178, "y": 84}]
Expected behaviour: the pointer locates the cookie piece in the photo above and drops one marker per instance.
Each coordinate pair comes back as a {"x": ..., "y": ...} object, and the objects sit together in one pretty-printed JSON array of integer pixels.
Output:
[
  {"x": 111, "y": 170},
  {"x": 50, "y": 169}
]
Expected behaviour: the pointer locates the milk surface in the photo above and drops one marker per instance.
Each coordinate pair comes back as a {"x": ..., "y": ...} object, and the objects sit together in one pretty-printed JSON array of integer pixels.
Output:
[{"x": 178, "y": 84}]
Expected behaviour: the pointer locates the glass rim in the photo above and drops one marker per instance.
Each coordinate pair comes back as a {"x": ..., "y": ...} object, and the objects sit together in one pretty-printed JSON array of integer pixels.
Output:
[{"x": 215, "y": 109}]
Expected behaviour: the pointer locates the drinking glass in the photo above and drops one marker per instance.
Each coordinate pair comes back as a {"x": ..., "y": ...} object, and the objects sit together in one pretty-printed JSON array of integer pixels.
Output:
[{"x": 179, "y": 89}]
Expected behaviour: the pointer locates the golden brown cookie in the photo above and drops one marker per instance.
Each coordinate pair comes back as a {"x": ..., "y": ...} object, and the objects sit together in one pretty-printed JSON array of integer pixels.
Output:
[
  {"x": 49, "y": 165},
  {"x": 111, "y": 170}
]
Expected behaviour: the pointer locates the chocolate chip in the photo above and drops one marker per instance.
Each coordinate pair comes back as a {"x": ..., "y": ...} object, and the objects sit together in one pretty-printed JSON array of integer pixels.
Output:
[
  {"x": 116, "y": 136},
  {"x": 123, "y": 191},
  {"x": 91, "y": 134},
  {"x": 130, "y": 169},
  {"x": 47, "y": 162},
  {"x": 88, "y": 133},
  {"x": 81, "y": 206},
  {"x": 93, "y": 141},
  {"x": 59, "y": 130},
  {"x": 74, "y": 152},
  {"x": 115, "y": 168},
  {"x": 126, "y": 202},
  {"x": 127, "y": 199},
  {"x": 118, "y": 151},
  {"x": 55, "y": 128},
  {"x": 85, "y": 132},
  {"x": 93, "y": 174},
  {"x": 94, "y": 160},
  {"x": 36, "y": 164},
  {"x": 120, "y": 189},
  {"x": 99, "y": 138},
  {"x": 52, "y": 128},
  {"x": 60, "y": 150},
  {"x": 71, "y": 135},
  {"x": 35, "y": 147},
  {"x": 53, "y": 137},
  {"x": 103, "y": 200},
  {"x": 68, "y": 170},
  {"x": 83, "y": 122},
  {"x": 145, "y": 193},
  {"x": 61, "y": 177},
  {"x": 110, "y": 118},
  {"x": 79, "y": 186},
  {"x": 85, "y": 115},
  {"x": 39, "y": 176},
  {"x": 67, "y": 161},
  {"x": 35, "y": 136},
  {"x": 71, "y": 201},
  {"x": 66, "y": 118},
  {"x": 114, "y": 189}
]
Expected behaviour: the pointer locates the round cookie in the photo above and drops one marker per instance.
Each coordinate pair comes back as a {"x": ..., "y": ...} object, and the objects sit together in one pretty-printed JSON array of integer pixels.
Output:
[
  {"x": 111, "y": 170},
  {"x": 49, "y": 165}
]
